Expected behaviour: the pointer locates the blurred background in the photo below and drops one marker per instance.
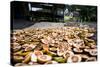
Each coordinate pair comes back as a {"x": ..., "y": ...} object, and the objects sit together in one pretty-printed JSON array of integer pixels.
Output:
[{"x": 37, "y": 14}]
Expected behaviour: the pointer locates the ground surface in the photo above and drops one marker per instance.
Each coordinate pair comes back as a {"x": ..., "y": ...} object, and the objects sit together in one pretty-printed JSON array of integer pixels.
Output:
[{"x": 23, "y": 24}]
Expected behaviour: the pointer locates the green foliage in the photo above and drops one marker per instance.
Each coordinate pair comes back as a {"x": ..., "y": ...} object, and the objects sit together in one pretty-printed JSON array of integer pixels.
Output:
[{"x": 86, "y": 13}]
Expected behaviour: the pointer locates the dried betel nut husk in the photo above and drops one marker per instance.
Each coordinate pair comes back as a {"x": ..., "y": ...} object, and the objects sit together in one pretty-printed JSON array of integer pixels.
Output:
[
  {"x": 91, "y": 59},
  {"x": 52, "y": 53},
  {"x": 16, "y": 46},
  {"x": 89, "y": 34},
  {"x": 60, "y": 52},
  {"x": 38, "y": 53},
  {"x": 59, "y": 59},
  {"x": 77, "y": 50},
  {"x": 45, "y": 47},
  {"x": 27, "y": 58},
  {"x": 77, "y": 43},
  {"x": 68, "y": 54},
  {"x": 86, "y": 49},
  {"x": 33, "y": 63},
  {"x": 33, "y": 58},
  {"x": 18, "y": 59},
  {"x": 93, "y": 52},
  {"x": 29, "y": 47},
  {"x": 83, "y": 56},
  {"x": 53, "y": 49},
  {"x": 74, "y": 59},
  {"x": 44, "y": 58},
  {"x": 18, "y": 52},
  {"x": 44, "y": 41}
]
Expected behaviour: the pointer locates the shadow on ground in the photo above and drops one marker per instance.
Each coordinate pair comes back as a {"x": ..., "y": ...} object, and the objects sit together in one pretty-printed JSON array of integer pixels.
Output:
[{"x": 21, "y": 24}]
